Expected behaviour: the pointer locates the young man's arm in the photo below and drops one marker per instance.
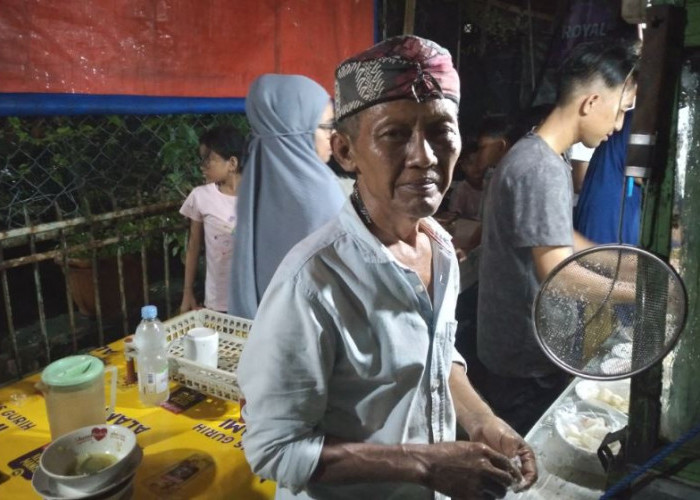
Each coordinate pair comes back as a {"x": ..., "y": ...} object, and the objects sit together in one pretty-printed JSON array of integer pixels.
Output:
[
  {"x": 547, "y": 258},
  {"x": 581, "y": 280},
  {"x": 581, "y": 242}
]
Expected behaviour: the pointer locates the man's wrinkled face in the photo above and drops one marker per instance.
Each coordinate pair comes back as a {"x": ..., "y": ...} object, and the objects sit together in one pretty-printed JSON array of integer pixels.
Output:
[{"x": 404, "y": 154}]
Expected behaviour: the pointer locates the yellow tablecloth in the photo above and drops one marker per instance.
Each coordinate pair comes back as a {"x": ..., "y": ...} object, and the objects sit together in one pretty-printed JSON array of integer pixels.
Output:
[{"x": 206, "y": 432}]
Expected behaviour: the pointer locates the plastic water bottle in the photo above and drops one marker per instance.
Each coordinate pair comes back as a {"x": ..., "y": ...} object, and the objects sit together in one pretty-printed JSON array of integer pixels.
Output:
[{"x": 152, "y": 359}]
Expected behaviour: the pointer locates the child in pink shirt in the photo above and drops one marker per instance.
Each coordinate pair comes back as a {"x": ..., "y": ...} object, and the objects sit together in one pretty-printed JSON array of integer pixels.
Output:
[{"x": 212, "y": 211}]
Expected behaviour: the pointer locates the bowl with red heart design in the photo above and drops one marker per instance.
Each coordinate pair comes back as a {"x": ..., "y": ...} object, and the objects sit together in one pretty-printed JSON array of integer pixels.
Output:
[{"x": 91, "y": 457}]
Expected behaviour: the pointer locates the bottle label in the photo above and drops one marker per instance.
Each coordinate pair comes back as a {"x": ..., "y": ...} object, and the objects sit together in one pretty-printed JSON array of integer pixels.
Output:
[{"x": 155, "y": 382}]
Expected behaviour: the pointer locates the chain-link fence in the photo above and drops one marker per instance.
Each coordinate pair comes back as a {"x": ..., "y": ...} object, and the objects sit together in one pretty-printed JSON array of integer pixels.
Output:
[
  {"x": 107, "y": 160},
  {"x": 100, "y": 194}
]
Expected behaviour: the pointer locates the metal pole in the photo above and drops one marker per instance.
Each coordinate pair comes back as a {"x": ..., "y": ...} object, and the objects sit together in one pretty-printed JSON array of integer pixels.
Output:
[
  {"x": 52, "y": 254},
  {"x": 39, "y": 294},
  {"x": 409, "y": 17},
  {"x": 64, "y": 266},
  {"x": 95, "y": 275},
  {"x": 10, "y": 321},
  {"x": 120, "y": 276},
  {"x": 166, "y": 265},
  {"x": 532, "y": 45},
  {"x": 50, "y": 230},
  {"x": 144, "y": 260}
]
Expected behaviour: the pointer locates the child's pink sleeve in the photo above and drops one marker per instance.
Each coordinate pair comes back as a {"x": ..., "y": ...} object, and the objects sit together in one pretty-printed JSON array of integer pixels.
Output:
[{"x": 190, "y": 208}]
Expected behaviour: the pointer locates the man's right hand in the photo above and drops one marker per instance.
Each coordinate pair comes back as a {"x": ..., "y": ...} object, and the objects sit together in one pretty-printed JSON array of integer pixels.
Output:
[
  {"x": 462, "y": 469},
  {"x": 466, "y": 469}
]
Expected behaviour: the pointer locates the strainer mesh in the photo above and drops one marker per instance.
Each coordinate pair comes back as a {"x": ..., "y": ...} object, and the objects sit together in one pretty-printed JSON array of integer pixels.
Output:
[{"x": 610, "y": 312}]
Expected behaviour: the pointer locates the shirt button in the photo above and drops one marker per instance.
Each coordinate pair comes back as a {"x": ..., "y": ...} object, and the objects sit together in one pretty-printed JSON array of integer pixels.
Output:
[
  {"x": 434, "y": 385},
  {"x": 418, "y": 288}
]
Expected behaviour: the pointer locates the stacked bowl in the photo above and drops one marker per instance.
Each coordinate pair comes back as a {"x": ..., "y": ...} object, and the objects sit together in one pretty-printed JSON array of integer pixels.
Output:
[{"x": 94, "y": 462}]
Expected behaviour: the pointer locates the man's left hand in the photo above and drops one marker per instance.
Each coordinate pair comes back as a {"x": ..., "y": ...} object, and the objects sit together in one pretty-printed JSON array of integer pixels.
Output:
[
  {"x": 474, "y": 415},
  {"x": 495, "y": 433}
]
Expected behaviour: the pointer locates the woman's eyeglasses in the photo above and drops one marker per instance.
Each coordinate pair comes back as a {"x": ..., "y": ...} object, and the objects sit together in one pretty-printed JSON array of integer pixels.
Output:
[{"x": 328, "y": 127}]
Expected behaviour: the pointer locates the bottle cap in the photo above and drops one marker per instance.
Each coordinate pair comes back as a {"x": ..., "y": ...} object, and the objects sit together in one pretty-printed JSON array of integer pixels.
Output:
[{"x": 149, "y": 312}]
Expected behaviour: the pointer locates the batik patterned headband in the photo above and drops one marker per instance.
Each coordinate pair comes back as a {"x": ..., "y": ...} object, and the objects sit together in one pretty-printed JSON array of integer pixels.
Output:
[{"x": 403, "y": 67}]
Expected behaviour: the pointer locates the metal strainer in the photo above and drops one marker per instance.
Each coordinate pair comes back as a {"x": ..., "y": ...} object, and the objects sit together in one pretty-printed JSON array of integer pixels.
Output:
[{"x": 610, "y": 312}]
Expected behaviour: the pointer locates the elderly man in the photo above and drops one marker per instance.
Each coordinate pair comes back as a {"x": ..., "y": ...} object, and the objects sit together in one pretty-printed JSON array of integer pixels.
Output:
[{"x": 352, "y": 383}]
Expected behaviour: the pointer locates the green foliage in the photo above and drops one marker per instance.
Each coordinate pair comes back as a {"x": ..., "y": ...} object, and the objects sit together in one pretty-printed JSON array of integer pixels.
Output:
[
  {"x": 180, "y": 160},
  {"x": 133, "y": 233},
  {"x": 97, "y": 164}
]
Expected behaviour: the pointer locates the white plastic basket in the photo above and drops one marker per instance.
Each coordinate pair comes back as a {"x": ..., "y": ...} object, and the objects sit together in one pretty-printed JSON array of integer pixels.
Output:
[{"x": 222, "y": 381}]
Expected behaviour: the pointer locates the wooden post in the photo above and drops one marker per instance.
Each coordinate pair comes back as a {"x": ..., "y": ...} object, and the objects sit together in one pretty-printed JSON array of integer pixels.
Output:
[{"x": 409, "y": 17}]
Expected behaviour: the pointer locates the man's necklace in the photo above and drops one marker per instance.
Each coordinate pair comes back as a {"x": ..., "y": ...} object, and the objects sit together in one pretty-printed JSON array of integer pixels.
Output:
[{"x": 359, "y": 206}]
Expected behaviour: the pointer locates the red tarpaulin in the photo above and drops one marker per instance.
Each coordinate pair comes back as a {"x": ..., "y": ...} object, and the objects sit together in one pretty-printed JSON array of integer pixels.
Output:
[{"x": 193, "y": 48}]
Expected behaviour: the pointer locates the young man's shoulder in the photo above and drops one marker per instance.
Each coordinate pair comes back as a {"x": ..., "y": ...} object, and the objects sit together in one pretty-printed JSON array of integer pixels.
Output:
[
  {"x": 530, "y": 153},
  {"x": 530, "y": 144}
]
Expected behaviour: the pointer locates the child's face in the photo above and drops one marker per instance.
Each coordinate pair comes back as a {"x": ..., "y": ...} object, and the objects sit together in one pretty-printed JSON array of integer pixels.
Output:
[
  {"x": 214, "y": 167},
  {"x": 489, "y": 152},
  {"x": 466, "y": 163}
]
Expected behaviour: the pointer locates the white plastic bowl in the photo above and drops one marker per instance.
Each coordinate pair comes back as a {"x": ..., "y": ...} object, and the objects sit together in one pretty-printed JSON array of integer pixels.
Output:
[
  {"x": 59, "y": 459},
  {"x": 568, "y": 461},
  {"x": 49, "y": 489},
  {"x": 576, "y": 454}
]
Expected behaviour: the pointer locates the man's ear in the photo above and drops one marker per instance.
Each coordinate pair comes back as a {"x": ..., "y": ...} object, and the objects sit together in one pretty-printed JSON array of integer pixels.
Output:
[
  {"x": 343, "y": 151},
  {"x": 588, "y": 103}
]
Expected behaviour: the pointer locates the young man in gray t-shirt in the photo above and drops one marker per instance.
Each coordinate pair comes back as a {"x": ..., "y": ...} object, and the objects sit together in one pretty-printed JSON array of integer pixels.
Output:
[{"x": 528, "y": 227}]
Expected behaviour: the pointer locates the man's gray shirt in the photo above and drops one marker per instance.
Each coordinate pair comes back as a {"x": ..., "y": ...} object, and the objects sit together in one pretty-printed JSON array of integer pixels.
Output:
[{"x": 529, "y": 204}]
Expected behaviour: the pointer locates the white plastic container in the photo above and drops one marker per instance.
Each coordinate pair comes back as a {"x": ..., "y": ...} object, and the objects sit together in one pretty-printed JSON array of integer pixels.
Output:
[
  {"x": 570, "y": 459},
  {"x": 221, "y": 381},
  {"x": 74, "y": 391},
  {"x": 59, "y": 459},
  {"x": 152, "y": 358}
]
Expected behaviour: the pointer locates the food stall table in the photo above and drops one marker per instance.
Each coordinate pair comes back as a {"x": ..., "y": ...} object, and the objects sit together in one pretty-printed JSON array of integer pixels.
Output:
[
  {"x": 569, "y": 481},
  {"x": 192, "y": 444}
]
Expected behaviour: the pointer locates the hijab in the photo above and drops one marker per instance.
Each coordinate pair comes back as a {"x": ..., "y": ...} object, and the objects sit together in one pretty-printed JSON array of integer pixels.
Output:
[{"x": 286, "y": 191}]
